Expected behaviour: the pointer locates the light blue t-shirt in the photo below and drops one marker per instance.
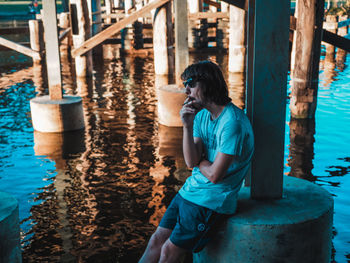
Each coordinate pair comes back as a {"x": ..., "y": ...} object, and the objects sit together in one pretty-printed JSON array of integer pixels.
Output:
[{"x": 231, "y": 133}]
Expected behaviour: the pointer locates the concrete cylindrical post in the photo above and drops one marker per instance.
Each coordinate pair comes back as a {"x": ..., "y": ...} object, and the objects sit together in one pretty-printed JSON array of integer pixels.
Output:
[
  {"x": 170, "y": 100},
  {"x": 237, "y": 39},
  {"x": 83, "y": 64},
  {"x": 296, "y": 228},
  {"x": 10, "y": 248},
  {"x": 57, "y": 115},
  {"x": 36, "y": 31}
]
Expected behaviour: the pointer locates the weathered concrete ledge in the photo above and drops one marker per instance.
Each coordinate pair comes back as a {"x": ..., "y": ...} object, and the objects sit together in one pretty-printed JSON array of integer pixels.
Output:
[
  {"x": 296, "y": 228},
  {"x": 57, "y": 115},
  {"x": 10, "y": 250}
]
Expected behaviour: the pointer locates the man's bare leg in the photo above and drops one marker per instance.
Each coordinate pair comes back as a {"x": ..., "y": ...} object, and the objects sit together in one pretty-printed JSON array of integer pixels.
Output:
[
  {"x": 171, "y": 253},
  {"x": 154, "y": 247}
]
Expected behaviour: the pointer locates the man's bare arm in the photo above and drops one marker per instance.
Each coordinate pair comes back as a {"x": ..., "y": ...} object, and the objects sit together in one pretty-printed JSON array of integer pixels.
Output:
[
  {"x": 216, "y": 171},
  {"x": 192, "y": 147}
]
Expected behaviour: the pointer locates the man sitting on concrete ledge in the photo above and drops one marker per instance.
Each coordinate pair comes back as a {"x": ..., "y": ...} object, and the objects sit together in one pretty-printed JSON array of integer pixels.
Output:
[{"x": 218, "y": 144}]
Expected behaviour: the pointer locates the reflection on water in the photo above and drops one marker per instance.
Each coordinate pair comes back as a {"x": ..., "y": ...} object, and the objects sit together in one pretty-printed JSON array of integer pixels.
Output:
[
  {"x": 301, "y": 150},
  {"x": 96, "y": 195}
]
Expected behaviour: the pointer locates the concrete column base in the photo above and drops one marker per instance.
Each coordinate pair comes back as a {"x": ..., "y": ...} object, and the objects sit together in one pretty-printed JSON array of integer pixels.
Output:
[
  {"x": 10, "y": 249},
  {"x": 294, "y": 229},
  {"x": 57, "y": 115},
  {"x": 170, "y": 100}
]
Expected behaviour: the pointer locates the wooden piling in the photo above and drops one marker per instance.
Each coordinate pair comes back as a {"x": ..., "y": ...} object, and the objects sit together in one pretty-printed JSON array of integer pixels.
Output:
[
  {"x": 341, "y": 53},
  {"x": 237, "y": 39},
  {"x": 53, "y": 61},
  {"x": 330, "y": 25},
  {"x": 127, "y": 32},
  {"x": 81, "y": 32},
  {"x": 108, "y": 5},
  {"x": 36, "y": 31},
  {"x": 96, "y": 17},
  {"x": 181, "y": 37},
  {"x": 306, "y": 56},
  {"x": 162, "y": 34},
  {"x": 64, "y": 24},
  {"x": 194, "y": 6}
]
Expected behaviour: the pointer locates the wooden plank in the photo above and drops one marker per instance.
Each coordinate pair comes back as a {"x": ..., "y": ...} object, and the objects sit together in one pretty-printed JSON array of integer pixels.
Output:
[
  {"x": 336, "y": 40},
  {"x": 243, "y": 4},
  {"x": 344, "y": 23},
  {"x": 203, "y": 15},
  {"x": 99, "y": 38},
  {"x": 19, "y": 48},
  {"x": 208, "y": 2}
]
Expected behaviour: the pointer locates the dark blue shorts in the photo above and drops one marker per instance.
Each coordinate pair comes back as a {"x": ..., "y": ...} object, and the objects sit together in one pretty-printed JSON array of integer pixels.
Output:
[{"x": 192, "y": 225}]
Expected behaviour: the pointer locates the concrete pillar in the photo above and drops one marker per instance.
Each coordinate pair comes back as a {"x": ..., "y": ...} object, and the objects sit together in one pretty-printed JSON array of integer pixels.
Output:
[
  {"x": 170, "y": 100},
  {"x": 266, "y": 93},
  {"x": 341, "y": 53},
  {"x": 36, "y": 32},
  {"x": 57, "y": 115},
  {"x": 10, "y": 248},
  {"x": 297, "y": 228},
  {"x": 237, "y": 40},
  {"x": 162, "y": 36},
  {"x": 181, "y": 37},
  {"x": 306, "y": 56},
  {"x": 53, "y": 62},
  {"x": 81, "y": 32}
]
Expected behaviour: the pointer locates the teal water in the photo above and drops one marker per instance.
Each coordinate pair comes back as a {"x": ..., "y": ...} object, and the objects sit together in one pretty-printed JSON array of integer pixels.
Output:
[{"x": 97, "y": 195}]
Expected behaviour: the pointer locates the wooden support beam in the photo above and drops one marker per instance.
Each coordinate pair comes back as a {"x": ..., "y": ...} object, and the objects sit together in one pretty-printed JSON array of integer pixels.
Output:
[
  {"x": 99, "y": 38},
  {"x": 208, "y": 2},
  {"x": 16, "y": 30},
  {"x": 203, "y": 15},
  {"x": 20, "y": 48},
  {"x": 243, "y": 4},
  {"x": 336, "y": 40},
  {"x": 64, "y": 34}
]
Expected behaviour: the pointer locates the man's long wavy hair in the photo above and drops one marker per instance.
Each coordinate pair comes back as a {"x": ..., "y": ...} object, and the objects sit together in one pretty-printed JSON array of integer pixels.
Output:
[{"x": 213, "y": 84}]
